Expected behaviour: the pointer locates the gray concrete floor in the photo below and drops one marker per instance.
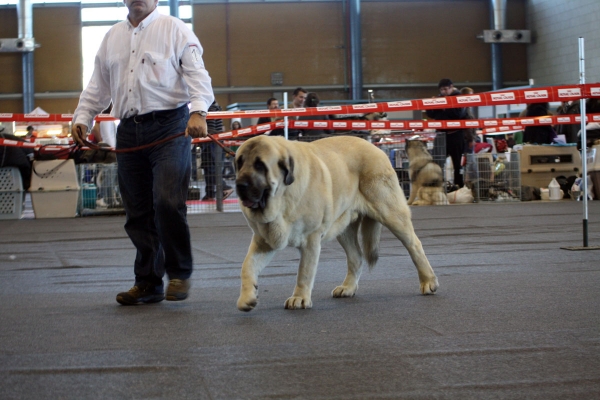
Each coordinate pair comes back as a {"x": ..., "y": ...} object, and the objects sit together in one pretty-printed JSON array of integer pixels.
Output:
[{"x": 515, "y": 317}]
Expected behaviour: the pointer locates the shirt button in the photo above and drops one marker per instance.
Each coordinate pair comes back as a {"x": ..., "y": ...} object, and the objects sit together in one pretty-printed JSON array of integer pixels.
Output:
[
  {"x": 131, "y": 109},
  {"x": 131, "y": 70},
  {"x": 130, "y": 90},
  {"x": 133, "y": 51}
]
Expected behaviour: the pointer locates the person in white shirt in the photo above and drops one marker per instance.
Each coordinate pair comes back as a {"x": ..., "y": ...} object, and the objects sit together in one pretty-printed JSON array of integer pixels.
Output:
[{"x": 150, "y": 66}]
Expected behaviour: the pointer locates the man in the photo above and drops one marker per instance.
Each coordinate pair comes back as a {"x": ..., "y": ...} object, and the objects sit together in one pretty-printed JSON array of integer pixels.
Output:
[
  {"x": 455, "y": 138},
  {"x": 272, "y": 104},
  {"x": 209, "y": 158},
  {"x": 569, "y": 130},
  {"x": 298, "y": 97},
  {"x": 151, "y": 66},
  {"x": 30, "y": 135}
]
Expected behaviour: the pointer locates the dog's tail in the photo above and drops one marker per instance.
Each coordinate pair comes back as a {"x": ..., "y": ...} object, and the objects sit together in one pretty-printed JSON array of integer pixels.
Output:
[{"x": 371, "y": 232}]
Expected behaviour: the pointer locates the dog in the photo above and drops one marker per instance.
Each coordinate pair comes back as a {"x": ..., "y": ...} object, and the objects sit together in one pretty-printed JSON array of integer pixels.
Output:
[
  {"x": 426, "y": 177},
  {"x": 301, "y": 193}
]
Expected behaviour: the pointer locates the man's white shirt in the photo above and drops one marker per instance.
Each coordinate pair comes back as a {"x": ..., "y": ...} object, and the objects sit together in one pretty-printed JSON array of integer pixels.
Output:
[{"x": 141, "y": 68}]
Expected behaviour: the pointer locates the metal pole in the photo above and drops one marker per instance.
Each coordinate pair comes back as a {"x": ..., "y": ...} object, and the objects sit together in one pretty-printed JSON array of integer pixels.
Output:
[
  {"x": 356, "y": 50},
  {"x": 174, "y": 8},
  {"x": 285, "y": 119},
  {"x": 583, "y": 144},
  {"x": 25, "y": 15},
  {"x": 498, "y": 21}
]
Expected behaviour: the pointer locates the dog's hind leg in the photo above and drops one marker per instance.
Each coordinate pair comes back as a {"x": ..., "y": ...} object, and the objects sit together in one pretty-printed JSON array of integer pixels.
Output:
[
  {"x": 397, "y": 220},
  {"x": 309, "y": 259},
  {"x": 259, "y": 255},
  {"x": 349, "y": 241}
]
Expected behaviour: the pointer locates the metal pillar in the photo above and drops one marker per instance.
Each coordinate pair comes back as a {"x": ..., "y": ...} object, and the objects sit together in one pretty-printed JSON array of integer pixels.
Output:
[
  {"x": 25, "y": 17},
  {"x": 174, "y": 8},
  {"x": 355, "y": 50},
  {"x": 498, "y": 22}
]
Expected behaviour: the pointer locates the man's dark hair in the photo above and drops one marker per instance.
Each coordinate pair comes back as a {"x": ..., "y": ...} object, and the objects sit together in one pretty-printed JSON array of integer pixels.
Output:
[
  {"x": 444, "y": 83},
  {"x": 271, "y": 100},
  {"x": 298, "y": 90}
]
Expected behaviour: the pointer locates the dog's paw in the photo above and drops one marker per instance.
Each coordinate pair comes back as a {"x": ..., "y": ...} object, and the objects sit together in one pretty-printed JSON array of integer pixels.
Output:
[
  {"x": 344, "y": 291},
  {"x": 429, "y": 286},
  {"x": 297, "y": 303},
  {"x": 246, "y": 303}
]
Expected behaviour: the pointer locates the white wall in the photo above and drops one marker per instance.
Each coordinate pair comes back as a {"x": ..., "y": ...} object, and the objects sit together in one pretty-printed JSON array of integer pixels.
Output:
[{"x": 556, "y": 26}]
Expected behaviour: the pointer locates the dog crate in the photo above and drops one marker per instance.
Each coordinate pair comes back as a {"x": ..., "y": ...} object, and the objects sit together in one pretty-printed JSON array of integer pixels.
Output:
[
  {"x": 395, "y": 148},
  {"x": 494, "y": 180},
  {"x": 539, "y": 164},
  {"x": 54, "y": 189},
  {"x": 99, "y": 189},
  {"x": 593, "y": 168},
  {"x": 11, "y": 193}
]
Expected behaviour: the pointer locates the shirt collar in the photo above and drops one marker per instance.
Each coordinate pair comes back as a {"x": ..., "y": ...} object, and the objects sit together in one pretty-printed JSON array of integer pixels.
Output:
[{"x": 151, "y": 17}]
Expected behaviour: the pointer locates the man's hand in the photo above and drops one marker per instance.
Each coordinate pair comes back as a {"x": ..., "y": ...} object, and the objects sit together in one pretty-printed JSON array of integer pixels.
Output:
[
  {"x": 79, "y": 132},
  {"x": 196, "y": 126}
]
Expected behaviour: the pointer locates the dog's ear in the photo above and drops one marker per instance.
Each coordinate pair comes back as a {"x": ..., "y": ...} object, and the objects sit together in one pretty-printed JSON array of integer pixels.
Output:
[{"x": 287, "y": 168}]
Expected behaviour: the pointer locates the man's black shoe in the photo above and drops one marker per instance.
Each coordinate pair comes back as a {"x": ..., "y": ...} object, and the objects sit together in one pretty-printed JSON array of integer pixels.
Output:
[{"x": 138, "y": 295}]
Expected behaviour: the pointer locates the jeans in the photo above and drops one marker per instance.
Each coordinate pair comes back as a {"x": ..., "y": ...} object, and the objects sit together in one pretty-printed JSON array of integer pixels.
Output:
[{"x": 154, "y": 184}]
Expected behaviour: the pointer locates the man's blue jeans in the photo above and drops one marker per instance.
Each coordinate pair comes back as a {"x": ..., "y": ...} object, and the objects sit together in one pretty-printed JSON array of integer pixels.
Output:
[{"x": 154, "y": 184}]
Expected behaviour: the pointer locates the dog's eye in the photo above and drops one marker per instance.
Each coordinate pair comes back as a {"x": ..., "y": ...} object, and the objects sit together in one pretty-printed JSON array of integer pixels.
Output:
[
  {"x": 239, "y": 163},
  {"x": 259, "y": 166}
]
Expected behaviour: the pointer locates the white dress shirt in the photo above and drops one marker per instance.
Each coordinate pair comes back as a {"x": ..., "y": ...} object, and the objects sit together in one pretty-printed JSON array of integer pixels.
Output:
[{"x": 155, "y": 66}]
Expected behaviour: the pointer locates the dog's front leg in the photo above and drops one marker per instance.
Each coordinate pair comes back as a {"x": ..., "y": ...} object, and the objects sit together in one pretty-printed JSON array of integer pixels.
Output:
[
  {"x": 309, "y": 259},
  {"x": 259, "y": 255}
]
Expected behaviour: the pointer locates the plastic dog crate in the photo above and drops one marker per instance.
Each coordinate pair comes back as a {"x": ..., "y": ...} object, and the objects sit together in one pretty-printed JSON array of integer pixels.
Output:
[
  {"x": 54, "y": 189},
  {"x": 11, "y": 193},
  {"x": 539, "y": 164}
]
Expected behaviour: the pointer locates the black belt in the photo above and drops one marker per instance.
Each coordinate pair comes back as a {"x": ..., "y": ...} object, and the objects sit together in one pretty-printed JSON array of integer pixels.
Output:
[{"x": 152, "y": 115}]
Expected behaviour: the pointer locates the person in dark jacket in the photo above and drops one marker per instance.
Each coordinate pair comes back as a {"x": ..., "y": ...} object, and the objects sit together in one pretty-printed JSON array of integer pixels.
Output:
[
  {"x": 312, "y": 100},
  {"x": 543, "y": 134},
  {"x": 569, "y": 130},
  {"x": 455, "y": 138}
]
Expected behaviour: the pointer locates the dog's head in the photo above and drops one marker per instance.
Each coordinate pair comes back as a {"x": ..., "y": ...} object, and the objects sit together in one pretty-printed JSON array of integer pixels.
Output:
[
  {"x": 263, "y": 168},
  {"x": 415, "y": 147}
]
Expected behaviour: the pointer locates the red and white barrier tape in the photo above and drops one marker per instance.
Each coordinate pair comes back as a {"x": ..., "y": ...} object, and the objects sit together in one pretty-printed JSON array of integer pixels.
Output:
[
  {"x": 494, "y": 125},
  {"x": 520, "y": 96}
]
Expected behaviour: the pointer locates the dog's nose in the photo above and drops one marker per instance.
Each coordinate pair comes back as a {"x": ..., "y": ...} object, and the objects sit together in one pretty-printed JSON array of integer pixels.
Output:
[{"x": 241, "y": 186}]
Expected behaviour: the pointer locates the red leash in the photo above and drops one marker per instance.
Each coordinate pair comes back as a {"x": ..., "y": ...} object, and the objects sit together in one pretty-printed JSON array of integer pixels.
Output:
[{"x": 94, "y": 146}]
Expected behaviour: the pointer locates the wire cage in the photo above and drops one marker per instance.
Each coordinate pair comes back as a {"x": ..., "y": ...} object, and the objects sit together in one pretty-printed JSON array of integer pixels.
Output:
[
  {"x": 494, "y": 180},
  {"x": 394, "y": 146},
  {"x": 212, "y": 180},
  {"x": 99, "y": 189}
]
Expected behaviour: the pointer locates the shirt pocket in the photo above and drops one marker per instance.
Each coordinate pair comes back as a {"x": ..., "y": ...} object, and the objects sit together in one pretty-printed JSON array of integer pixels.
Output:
[{"x": 157, "y": 70}]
